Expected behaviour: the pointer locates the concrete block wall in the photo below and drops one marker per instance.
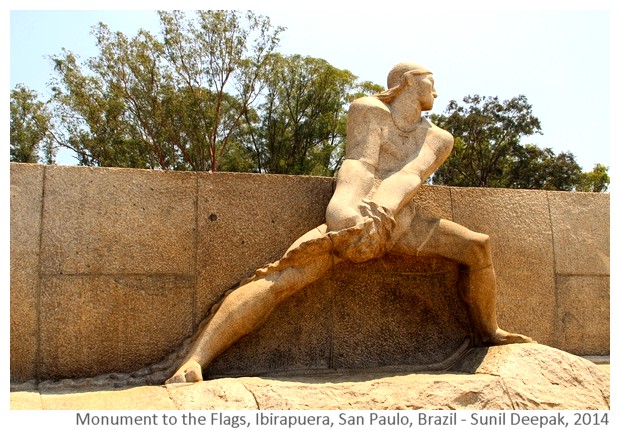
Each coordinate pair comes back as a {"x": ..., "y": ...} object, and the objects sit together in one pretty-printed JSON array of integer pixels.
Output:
[{"x": 112, "y": 268}]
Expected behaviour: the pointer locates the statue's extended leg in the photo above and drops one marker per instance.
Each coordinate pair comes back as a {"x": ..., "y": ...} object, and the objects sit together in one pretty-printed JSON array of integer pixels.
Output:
[
  {"x": 247, "y": 307},
  {"x": 478, "y": 291},
  {"x": 430, "y": 236}
]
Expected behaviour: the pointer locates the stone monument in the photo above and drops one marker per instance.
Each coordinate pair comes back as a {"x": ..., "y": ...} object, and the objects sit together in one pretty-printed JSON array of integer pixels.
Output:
[
  {"x": 373, "y": 232},
  {"x": 390, "y": 151}
]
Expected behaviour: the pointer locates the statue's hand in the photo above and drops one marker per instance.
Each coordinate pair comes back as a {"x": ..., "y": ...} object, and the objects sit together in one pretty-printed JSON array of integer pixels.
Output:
[{"x": 370, "y": 238}]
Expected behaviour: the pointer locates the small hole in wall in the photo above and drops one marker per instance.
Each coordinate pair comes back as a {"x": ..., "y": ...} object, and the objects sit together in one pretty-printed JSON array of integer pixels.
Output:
[{"x": 213, "y": 217}]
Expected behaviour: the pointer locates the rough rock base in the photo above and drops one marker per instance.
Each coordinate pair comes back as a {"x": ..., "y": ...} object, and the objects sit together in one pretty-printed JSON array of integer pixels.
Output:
[{"x": 524, "y": 377}]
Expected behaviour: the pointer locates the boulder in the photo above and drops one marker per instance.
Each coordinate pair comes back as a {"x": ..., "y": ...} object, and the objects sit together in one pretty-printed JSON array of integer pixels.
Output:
[{"x": 522, "y": 377}]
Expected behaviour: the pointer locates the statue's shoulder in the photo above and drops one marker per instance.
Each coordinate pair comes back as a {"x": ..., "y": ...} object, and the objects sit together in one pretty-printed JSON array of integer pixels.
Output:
[
  {"x": 366, "y": 117},
  {"x": 440, "y": 133},
  {"x": 368, "y": 105}
]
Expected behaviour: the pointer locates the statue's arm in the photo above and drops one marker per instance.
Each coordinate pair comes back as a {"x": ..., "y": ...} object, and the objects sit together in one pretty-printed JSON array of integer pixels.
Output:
[
  {"x": 397, "y": 191},
  {"x": 357, "y": 173},
  {"x": 355, "y": 180}
]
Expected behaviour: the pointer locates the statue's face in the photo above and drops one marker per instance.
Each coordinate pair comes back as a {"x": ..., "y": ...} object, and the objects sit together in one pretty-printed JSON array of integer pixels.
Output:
[{"x": 425, "y": 90}]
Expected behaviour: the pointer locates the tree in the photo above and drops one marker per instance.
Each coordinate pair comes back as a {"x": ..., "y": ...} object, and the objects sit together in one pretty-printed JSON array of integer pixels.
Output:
[
  {"x": 221, "y": 50},
  {"x": 487, "y": 133},
  {"x": 210, "y": 94},
  {"x": 106, "y": 118},
  {"x": 303, "y": 117},
  {"x": 30, "y": 128},
  {"x": 488, "y": 151},
  {"x": 149, "y": 103},
  {"x": 534, "y": 168},
  {"x": 595, "y": 181}
]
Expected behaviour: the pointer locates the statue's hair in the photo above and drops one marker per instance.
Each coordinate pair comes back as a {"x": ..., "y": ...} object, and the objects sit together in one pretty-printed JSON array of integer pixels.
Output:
[{"x": 396, "y": 80}]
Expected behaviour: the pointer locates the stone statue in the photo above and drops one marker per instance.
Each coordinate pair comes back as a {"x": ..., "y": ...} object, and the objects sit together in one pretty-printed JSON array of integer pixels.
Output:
[{"x": 390, "y": 151}]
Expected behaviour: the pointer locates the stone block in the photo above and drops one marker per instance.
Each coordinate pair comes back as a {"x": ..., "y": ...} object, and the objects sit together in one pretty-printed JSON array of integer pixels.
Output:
[
  {"x": 239, "y": 233},
  {"x": 394, "y": 311},
  {"x": 397, "y": 310},
  {"x": 519, "y": 376},
  {"x": 246, "y": 221},
  {"x": 98, "y": 324},
  {"x": 517, "y": 221},
  {"x": 26, "y": 203},
  {"x": 580, "y": 224},
  {"x": 131, "y": 261},
  {"x": 583, "y": 315},
  {"x": 113, "y": 221}
]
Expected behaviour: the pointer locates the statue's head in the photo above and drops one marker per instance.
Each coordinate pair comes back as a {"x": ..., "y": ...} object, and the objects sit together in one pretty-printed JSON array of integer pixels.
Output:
[
  {"x": 397, "y": 74},
  {"x": 405, "y": 75}
]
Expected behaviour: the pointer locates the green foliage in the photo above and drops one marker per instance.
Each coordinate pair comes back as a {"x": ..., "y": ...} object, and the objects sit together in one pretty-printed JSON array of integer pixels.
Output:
[
  {"x": 179, "y": 103},
  {"x": 303, "y": 117},
  {"x": 487, "y": 134},
  {"x": 210, "y": 92},
  {"x": 220, "y": 51},
  {"x": 488, "y": 151},
  {"x": 30, "y": 128},
  {"x": 535, "y": 168},
  {"x": 595, "y": 181}
]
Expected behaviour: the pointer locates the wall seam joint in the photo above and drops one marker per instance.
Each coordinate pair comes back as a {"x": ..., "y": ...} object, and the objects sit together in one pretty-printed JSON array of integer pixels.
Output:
[
  {"x": 195, "y": 317},
  {"x": 37, "y": 359},
  {"x": 556, "y": 340}
]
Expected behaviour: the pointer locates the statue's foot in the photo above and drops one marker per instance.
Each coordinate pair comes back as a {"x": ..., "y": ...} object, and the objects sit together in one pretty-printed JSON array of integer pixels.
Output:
[
  {"x": 502, "y": 337},
  {"x": 191, "y": 371}
]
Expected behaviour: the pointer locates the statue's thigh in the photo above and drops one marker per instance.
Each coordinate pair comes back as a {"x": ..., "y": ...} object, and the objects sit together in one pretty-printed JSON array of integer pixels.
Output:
[{"x": 437, "y": 237}]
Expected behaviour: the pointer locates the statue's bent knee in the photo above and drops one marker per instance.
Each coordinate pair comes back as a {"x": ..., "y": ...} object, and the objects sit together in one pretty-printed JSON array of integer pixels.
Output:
[{"x": 479, "y": 252}]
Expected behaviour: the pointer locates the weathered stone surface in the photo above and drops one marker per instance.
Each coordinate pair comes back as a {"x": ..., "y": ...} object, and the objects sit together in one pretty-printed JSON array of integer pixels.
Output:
[
  {"x": 435, "y": 201},
  {"x": 380, "y": 392},
  {"x": 246, "y": 221},
  {"x": 110, "y": 324},
  {"x": 583, "y": 314},
  {"x": 580, "y": 222},
  {"x": 541, "y": 377},
  {"x": 582, "y": 263},
  {"x": 26, "y": 203},
  {"x": 118, "y": 221},
  {"x": 517, "y": 222},
  {"x": 524, "y": 377},
  {"x": 396, "y": 310},
  {"x": 218, "y": 394},
  {"x": 286, "y": 340},
  {"x": 139, "y": 398},
  {"x": 522, "y": 266}
]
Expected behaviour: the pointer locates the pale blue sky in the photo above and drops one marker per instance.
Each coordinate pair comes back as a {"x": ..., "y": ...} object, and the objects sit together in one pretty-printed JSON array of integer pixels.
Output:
[{"x": 558, "y": 58}]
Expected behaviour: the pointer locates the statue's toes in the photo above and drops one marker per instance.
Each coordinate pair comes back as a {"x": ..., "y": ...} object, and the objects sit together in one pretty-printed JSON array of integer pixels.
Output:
[
  {"x": 177, "y": 378},
  {"x": 193, "y": 375}
]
